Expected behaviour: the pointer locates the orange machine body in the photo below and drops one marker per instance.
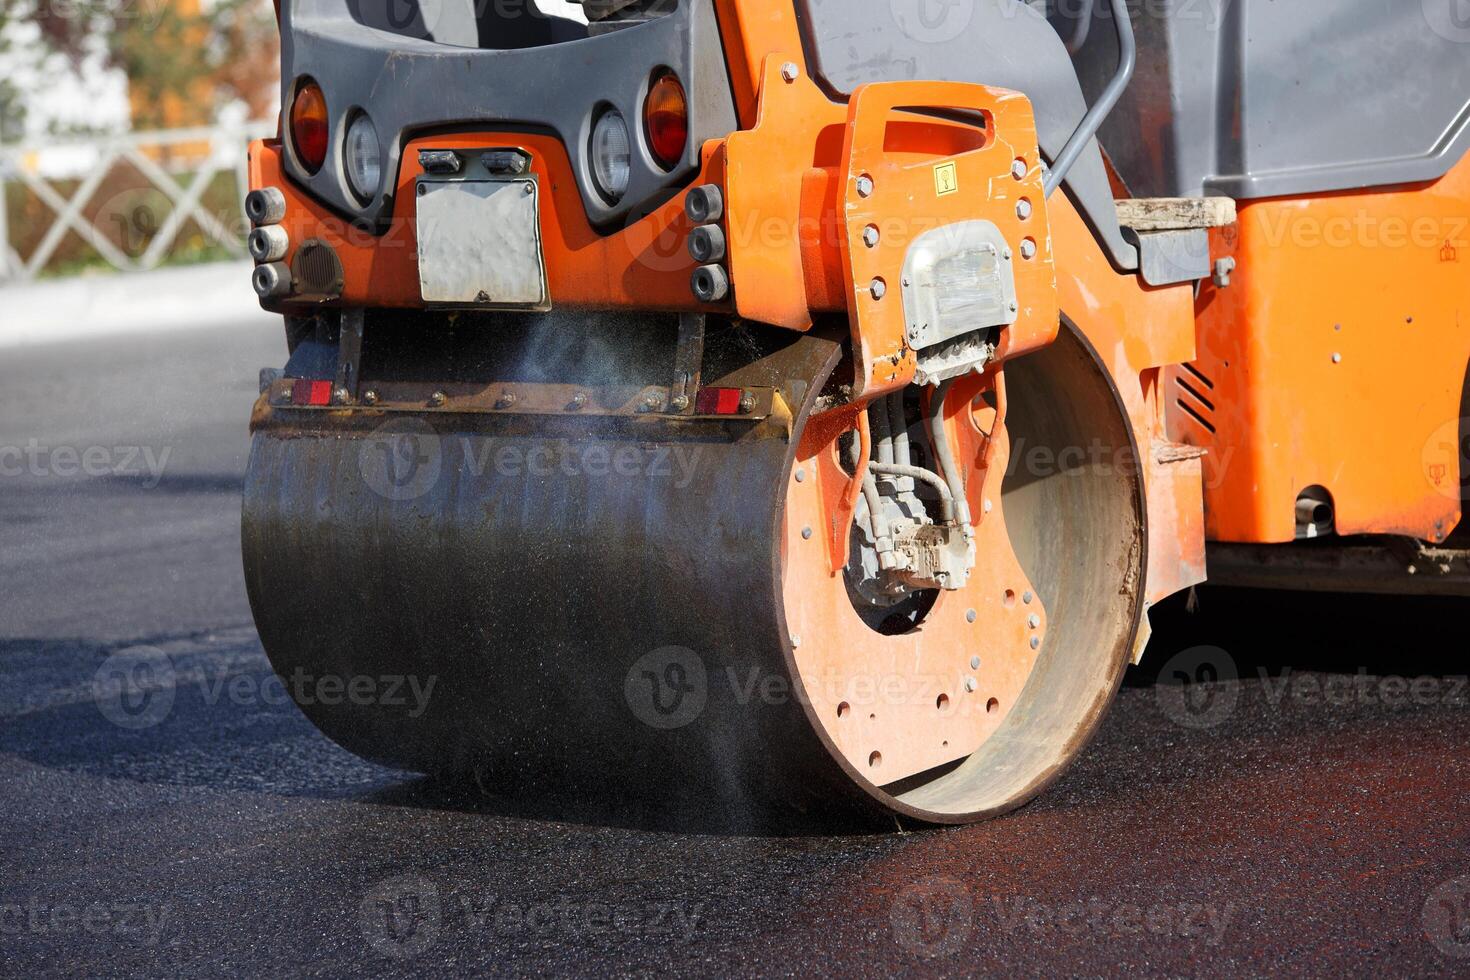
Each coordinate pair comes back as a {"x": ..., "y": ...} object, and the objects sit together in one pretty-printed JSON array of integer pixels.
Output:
[
  {"x": 795, "y": 221},
  {"x": 1335, "y": 358}
]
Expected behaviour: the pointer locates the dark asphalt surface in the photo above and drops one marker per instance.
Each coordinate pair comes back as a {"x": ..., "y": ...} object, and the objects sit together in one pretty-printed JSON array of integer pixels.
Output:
[{"x": 1312, "y": 818}]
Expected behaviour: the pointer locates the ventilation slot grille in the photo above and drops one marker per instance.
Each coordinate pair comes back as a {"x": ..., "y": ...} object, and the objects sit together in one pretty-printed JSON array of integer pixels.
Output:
[{"x": 1193, "y": 398}]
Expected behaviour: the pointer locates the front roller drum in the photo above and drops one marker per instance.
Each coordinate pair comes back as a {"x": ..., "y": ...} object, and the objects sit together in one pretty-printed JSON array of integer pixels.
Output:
[{"x": 662, "y": 609}]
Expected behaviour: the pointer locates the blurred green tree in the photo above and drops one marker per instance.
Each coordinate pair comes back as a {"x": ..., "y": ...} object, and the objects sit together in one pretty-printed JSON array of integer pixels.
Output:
[{"x": 183, "y": 61}]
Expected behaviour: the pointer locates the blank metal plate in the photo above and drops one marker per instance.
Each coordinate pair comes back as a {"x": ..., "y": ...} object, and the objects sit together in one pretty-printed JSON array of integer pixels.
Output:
[{"x": 480, "y": 244}]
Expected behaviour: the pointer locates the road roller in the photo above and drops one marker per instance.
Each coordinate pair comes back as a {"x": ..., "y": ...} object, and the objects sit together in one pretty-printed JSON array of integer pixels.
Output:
[{"x": 800, "y": 405}]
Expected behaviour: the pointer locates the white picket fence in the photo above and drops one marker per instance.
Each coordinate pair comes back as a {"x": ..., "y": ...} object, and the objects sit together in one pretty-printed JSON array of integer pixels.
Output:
[{"x": 199, "y": 155}]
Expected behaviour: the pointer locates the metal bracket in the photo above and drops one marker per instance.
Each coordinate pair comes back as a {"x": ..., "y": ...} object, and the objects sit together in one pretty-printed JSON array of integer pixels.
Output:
[
  {"x": 1169, "y": 257},
  {"x": 688, "y": 361},
  {"x": 349, "y": 352},
  {"x": 519, "y": 398}
]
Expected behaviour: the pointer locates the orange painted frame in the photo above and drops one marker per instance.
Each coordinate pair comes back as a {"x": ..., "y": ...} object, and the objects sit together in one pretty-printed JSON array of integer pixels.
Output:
[
  {"x": 905, "y": 200},
  {"x": 642, "y": 266},
  {"x": 1336, "y": 357}
]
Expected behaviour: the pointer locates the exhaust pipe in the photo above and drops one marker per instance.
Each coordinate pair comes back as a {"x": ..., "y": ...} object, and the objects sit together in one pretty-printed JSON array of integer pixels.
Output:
[{"x": 1314, "y": 513}]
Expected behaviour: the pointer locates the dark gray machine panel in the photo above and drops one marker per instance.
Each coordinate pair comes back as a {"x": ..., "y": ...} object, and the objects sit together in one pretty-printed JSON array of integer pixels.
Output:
[
  {"x": 420, "y": 65},
  {"x": 1004, "y": 43},
  {"x": 1264, "y": 98}
]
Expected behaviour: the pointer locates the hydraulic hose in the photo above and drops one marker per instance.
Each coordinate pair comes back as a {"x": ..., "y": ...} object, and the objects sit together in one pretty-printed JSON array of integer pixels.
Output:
[
  {"x": 944, "y": 454},
  {"x": 946, "y": 498},
  {"x": 882, "y": 438},
  {"x": 898, "y": 426}
]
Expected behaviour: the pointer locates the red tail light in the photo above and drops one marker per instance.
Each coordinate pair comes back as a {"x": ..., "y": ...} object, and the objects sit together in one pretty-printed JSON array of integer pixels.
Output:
[
  {"x": 304, "y": 391},
  {"x": 666, "y": 119},
  {"x": 717, "y": 401},
  {"x": 309, "y": 125}
]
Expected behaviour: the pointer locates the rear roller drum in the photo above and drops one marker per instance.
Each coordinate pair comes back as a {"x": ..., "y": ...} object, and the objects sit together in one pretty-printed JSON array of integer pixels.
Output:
[{"x": 660, "y": 608}]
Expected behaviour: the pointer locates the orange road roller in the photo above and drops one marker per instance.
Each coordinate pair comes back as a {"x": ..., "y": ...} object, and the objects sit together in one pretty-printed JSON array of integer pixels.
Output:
[{"x": 803, "y": 403}]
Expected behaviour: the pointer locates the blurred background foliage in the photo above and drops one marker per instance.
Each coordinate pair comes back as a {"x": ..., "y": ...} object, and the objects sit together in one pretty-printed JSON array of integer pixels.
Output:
[
  {"x": 184, "y": 60},
  {"x": 180, "y": 63}
]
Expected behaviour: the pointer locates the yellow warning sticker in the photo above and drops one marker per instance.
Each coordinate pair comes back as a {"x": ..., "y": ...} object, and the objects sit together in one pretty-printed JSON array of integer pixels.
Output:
[{"x": 946, "y": 179}]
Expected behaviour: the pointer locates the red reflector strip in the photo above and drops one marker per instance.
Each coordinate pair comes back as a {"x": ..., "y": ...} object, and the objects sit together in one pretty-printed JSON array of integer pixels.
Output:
[
  {"x": 307, "y": 392},
  {"x": 717, "y": 401}
]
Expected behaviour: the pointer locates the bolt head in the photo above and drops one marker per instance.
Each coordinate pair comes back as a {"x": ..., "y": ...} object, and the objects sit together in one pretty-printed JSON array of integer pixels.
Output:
[
  {"x": 579, "y": 400},
  {"x": 970, "y": 616},
  {"x": 970, "y": 684},
  {"x": 438, "y": 398},
  {"x": 865, "y": 186},
  {"x": 1033, "y": 621},
  {"x": 679, "y": 402},
  {"x": 801, "y": 476},
  {"x": 790, "y": 72},
  {"x": 650, "y": 403},
  {"x": 870, "y": 236},
  {"x": 370, "y": 397},
  {"x": 747, "y": 402},
  {"x": 340, "y": 396},
  {"x": 1028, "y": 249},
  {"x": 879, "y": 288},
  {"x": 1018, "y": 169},
  {"x": 806, "y": 533},
  {"x": 1023, "y": 209},
  {"x": 974, "y": 663},
  {"x": 1336, "y": 358},
  {"x": 506, "y": 400},
  {"x": 1026, "y": 596},
  {"x": 1035, "y": 642}
]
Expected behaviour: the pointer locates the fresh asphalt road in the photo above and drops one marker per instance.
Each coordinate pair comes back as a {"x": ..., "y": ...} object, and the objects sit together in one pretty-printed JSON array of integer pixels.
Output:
[{"x": 1311, "y": 818}]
